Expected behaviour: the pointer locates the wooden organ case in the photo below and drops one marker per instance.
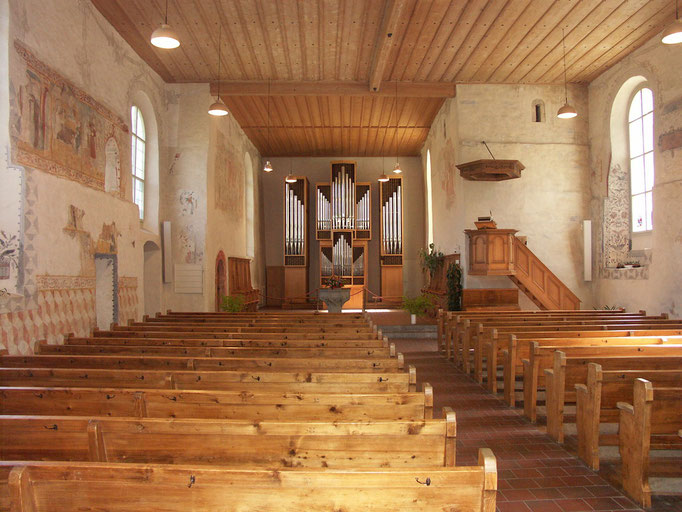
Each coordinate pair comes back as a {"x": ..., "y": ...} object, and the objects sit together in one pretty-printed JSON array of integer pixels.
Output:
[
  {"x": 295, "y": 242},
  {"x": 392, "y": 240},
  {"x": 343, "y": 228}
]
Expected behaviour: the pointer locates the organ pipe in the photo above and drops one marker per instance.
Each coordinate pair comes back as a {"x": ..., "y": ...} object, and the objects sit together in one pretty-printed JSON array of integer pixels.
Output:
[{"x": 392, "y": 217}]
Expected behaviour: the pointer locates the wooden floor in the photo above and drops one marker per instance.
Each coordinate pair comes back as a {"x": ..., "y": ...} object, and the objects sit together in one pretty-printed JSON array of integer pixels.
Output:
[{"x": 535, "y": 473}]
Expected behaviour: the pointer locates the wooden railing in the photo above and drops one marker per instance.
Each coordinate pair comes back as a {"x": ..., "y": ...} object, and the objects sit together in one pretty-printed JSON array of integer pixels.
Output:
[{"x": 538, "y": 282}]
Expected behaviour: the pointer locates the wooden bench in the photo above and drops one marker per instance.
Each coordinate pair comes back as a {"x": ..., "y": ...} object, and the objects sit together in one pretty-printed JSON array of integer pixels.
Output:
[
  {"x": 338, "y": 444},
  {"x": 651, "y": 423},
  {"x": 235, "y": 336},
  {"x": 597, "y": 398},
  {"x": 212, "y": 404},
  {"x": 247, "y": 381},
  {"x": 503, "y": 345},
  {"x": 49, "y": 486},
  {"x": 477, "y": 338},
  {"x": 218, "y": 342},
  {"x": 519, "y": 349},
  {"x": 42, "y": 348},
  {"x": 453, "y": 321},
  {"x": 471, "y": 329},
  {"x": 204, "y": 363},
  {"x": 542, "y": 357}
]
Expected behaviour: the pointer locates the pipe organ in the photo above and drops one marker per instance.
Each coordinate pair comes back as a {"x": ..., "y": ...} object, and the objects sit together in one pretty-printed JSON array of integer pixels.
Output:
[
  {"x": 392, "y": 240},
  {"x": 343, "y": 227},
  {"x": 296, "y": 241}
]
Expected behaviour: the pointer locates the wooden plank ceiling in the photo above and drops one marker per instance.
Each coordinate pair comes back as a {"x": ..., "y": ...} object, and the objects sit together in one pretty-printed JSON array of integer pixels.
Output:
[{"x": 341, "y": 48}]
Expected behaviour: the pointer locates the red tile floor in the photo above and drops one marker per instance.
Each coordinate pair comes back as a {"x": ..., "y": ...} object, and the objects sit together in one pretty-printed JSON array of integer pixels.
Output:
[{"x": 534, "y": 473}]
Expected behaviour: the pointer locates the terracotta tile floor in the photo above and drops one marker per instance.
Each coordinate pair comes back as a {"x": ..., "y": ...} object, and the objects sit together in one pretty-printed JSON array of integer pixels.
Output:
[{"x": 534, "y": 473}]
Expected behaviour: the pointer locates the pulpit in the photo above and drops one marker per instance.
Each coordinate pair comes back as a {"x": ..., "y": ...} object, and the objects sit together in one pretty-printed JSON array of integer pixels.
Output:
[{"x": 491, "y": 252}]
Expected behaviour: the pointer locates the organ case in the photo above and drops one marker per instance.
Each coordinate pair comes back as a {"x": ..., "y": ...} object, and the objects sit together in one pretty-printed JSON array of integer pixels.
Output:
[
  {"x": 392, "y": 240},
  {"x": 296, "y": 241}
]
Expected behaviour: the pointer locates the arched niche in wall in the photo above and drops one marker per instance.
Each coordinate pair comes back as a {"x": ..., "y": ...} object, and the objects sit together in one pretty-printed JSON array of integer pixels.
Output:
[
  {"x": 151, "y": 195},
  {"x": 616, "y": 219},
  {"x": 152, "y": 278},
  {"x": 220, "y": 279},
  {"x": 112, "y": 167}
]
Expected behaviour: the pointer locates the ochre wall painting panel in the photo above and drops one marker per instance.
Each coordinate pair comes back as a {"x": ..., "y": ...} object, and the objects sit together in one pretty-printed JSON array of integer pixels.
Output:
[
  {"x": 58, "y": 128},
  {"x": 229, "y": 179}
]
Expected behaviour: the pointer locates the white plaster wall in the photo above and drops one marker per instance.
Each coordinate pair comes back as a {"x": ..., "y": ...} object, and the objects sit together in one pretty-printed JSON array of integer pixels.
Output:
[
  {"x": 548, "y": 202},
  {"x": 318, "y": 170},
  {"x": 660, "y": 64}
]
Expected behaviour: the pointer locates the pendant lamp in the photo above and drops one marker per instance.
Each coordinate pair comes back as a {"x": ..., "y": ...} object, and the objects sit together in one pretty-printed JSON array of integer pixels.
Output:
[
  {"x": 567, "y": 111},
  {"x": 673, "y": 34},
  {"x": 218, "y": 108},
  {"x": 396, "y": 169},
  {"x": 164, "y": 36},
  {"x": 290, "y": 177}
]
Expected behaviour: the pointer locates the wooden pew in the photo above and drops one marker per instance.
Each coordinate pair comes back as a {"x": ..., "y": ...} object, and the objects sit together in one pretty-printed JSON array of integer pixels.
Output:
[
  {"x": 43, "y": 348},
  {"x": 453, "y": 321},
  {"x": 235, "y": 443},
  {"x": 348, "y": 332},
  {"x": 520, "y": 350},
  {"x": 247, "y": 381},
  {"x": 649, "y": 424},
  {"x": 253, "y": 406},
  {"x": 49, "y": 486},
  {"x": 463, "y": 340},
  {"x": 218, "y": 342},
  {"x": 598, "y": 395},
  {"x": 125, "y": 362},
  {"x": 235, "y": 336},
  {"x": 571, "y": 378},
  {"x": 504, "y": 347},
  {"x": 476, "y": 339},
  {"x": 542, "y": 357}
]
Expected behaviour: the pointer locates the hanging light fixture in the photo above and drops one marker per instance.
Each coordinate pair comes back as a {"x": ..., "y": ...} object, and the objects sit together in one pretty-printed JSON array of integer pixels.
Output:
[
  {"x": 396, "y": 169},
  {"x": 382, "y": 177},
  {"x": 268, "y": 165},
  {"x": 290, "y": 177},
  {"x": 673, "y": 34},
  {"x": 567, "y": 111},
  {"x": 218, "y": 108},
  {"x": 164, "y": 36}
]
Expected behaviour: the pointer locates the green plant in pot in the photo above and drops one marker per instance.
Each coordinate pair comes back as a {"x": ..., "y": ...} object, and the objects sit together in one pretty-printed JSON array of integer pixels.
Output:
[
  {"x": 431, "y": 260},
  {"x": 417, "y": 306},
  {"x": 232, "y": 303},
  {"x": 453, "y": 282}
]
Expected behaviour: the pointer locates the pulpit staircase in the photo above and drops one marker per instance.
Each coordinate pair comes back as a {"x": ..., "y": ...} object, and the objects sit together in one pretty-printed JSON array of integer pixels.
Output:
[{"x": 539, "y": 283}]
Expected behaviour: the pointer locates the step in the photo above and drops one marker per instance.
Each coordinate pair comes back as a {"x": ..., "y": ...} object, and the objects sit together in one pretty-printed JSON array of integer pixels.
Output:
[{"x": 418, "y": 331}]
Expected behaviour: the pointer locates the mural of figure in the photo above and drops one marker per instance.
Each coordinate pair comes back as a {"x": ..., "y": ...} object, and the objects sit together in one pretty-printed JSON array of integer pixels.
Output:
[
  {"x": 36, "y": 99},
  {"x": 92, "y": 138}
]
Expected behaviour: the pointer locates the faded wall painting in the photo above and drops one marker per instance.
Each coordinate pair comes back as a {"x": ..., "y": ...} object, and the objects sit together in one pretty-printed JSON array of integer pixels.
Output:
[
  {"x": 55, "y": 126},
  {"x": 446, "y": 172},
  {"x": 229, "y": 179}
]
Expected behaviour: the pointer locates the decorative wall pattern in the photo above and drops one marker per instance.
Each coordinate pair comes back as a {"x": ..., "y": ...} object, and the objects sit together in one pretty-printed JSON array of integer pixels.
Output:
[
  {"x": 616, "y": 223},
  {"x": 57, "y": 127},
  {"x": 127, "y": 299}
]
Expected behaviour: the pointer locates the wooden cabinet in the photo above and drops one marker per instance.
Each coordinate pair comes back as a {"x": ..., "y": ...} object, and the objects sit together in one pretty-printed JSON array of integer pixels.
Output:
[{"x": 491, "y": 252}]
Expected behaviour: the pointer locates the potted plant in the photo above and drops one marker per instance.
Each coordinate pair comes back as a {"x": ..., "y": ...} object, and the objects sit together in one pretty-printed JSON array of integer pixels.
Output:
[
  {"x": 431, "y": 260},
  {"x": 453, "y": 280},
  {"x": 232, "y": 303},
  {"x": 417, "y": 306}
]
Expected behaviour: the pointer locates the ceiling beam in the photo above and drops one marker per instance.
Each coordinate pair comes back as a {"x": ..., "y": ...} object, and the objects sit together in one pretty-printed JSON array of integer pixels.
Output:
[
  {"x": 326, "y": 88},
  {"x": 382, "y": 48}
]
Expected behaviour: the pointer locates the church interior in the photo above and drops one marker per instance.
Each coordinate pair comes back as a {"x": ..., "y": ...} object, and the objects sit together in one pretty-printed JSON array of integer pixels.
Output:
[{"x": 341, "y": 255}]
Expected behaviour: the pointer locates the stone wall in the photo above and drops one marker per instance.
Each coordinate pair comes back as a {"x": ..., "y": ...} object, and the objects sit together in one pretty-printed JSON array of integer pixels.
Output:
[
  {"x": 656, "y": 287},
  {"x": 548, "y": 202}
]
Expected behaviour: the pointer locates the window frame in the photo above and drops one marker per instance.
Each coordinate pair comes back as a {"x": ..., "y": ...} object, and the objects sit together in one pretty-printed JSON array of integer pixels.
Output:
[
  {"x": 648, "y": 229},
  {"x": 136, "y": 139}
]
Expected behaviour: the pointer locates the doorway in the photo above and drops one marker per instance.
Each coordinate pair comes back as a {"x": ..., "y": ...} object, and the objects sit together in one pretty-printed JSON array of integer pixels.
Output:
[{"x": 220, "y": 279}]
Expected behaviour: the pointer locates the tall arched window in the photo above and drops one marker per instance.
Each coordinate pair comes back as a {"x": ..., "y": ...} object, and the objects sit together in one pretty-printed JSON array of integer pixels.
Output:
[
  {"x": 429, "y": 197},
  {"x": 138, "y": 156},
  {"x": 641, "y": 142}
]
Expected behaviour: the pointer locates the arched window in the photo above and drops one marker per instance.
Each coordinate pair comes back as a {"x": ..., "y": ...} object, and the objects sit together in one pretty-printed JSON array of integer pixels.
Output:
[
  {"x": 641, "y": 144},
  {"x": 138, "y": 155},
  {"x": 429, "y": 197}
]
